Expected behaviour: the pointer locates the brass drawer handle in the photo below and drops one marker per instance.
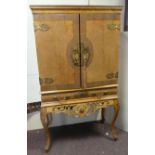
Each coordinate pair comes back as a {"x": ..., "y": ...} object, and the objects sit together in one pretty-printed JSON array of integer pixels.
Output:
[
  {"x": 76, "y": 57},
  {"x": 85, "y": 54},
  {"x": 41, "y": 27},
  {"x": 114, "y": 26}
]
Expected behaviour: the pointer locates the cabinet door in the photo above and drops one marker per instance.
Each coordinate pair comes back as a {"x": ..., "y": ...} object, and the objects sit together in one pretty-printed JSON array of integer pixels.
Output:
[
  {"x": 57, "y": 37},
  {"x": 100, "y": 46}
]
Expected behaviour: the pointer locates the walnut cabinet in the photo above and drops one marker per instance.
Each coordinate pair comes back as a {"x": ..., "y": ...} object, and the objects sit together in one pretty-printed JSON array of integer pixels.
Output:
[{"x": 77, "y": 52}]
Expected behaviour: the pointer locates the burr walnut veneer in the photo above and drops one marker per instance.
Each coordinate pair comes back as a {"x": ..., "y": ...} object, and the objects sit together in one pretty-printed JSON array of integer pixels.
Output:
[{"x": 77, "y": 51}]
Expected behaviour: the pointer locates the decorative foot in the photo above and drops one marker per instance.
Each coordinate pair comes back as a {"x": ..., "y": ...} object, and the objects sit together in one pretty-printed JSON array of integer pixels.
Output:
[
  {"x": 103, "y": 115},
  {"x": 116, "y": 111},
  {"x": 44, "y": 120}
]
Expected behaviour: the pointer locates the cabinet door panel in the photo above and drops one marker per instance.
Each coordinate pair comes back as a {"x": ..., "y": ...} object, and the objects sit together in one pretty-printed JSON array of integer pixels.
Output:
[
  {"x": 101, "y": 38},
  {"x": 56, "y": 36}
]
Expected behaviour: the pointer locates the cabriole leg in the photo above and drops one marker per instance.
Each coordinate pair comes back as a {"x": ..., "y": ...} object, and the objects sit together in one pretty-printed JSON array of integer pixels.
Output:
[
  {"x": 44, "y": 120},
  {"x": 103, "y": 115},
  {"x": 116, "y": 111}
]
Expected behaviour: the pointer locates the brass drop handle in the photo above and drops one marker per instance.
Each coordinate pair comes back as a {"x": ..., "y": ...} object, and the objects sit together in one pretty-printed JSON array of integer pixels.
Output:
[
  {"x": 85, "y": 54},
  {"x": 76, "y": 57},
  {"x": 113, "y": 26}
]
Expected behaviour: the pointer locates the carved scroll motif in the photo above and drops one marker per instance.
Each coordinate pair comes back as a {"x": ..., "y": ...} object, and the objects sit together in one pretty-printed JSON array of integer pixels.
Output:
[{"x": 80, "y": 110}]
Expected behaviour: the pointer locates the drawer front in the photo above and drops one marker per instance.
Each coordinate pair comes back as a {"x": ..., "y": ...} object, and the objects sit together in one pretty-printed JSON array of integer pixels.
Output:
[{"x": 79, "y": 94}]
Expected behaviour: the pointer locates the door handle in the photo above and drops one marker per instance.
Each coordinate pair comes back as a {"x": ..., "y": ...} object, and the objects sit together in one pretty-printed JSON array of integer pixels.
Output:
[
  {"x": 76, "y": 57},
  {"x": 85, "y": 54}
]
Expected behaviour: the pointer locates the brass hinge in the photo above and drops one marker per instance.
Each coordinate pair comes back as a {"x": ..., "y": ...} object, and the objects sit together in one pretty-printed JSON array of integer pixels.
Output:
[
  {"x": 113, "y": 26},
  {"x": 41, "y": 27}
]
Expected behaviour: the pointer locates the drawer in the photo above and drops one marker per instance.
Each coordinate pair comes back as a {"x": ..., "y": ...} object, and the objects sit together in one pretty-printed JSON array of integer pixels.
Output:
[{"x": 79, "y": 94}]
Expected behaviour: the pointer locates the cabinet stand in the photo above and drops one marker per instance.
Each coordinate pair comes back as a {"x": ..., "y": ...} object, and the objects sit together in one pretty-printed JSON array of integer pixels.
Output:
[{"x": 78, "y": 110}]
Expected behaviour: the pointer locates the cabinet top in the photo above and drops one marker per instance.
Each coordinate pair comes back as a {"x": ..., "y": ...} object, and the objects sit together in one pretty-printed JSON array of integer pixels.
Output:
[{"x": 57, "y": 9}]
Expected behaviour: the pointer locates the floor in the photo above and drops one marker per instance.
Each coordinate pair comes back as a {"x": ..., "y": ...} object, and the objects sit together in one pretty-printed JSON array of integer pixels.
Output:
[{"x": 81, "y": 139}]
